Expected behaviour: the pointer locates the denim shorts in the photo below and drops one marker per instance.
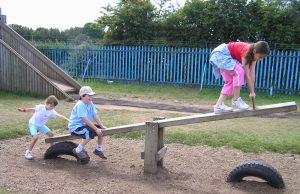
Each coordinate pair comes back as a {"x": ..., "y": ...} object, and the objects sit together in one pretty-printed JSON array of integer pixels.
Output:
[{"x": 85, "y": 132}]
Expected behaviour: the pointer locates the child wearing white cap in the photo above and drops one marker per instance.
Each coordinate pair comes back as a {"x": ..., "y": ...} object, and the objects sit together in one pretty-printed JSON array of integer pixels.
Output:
[{"x": 81, "y": 123}]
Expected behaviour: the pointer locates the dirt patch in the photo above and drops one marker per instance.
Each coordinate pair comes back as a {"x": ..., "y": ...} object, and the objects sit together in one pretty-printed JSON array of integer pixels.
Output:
[{"x": 197, "y": 169}]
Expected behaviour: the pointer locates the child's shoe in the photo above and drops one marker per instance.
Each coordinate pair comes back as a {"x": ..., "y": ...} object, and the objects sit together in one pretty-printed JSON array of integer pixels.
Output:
[
  {"x": 81, "y": 155},
  {"x": 240, "y": 104},
  {"x": 99, "y": 153},
  {"x": 222, "y": 108},
  {"x": 28, "y": 155}
]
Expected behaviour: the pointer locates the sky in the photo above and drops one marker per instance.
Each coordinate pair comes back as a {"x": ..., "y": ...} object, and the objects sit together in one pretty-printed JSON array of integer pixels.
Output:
[{"x": 61, "y": 14}]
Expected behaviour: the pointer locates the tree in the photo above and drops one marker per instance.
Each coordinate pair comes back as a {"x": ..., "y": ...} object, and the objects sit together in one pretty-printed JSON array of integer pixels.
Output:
[
  {"x": 93, "y": 30},
  {"x": 281, "y": 21},
  {"x": 25, "y": 32},
  {"x": 129, "y": 20}
]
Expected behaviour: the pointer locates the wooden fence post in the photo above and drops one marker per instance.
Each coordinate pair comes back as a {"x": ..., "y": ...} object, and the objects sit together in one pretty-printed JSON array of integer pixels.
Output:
[{"x": 151, "y": 141}]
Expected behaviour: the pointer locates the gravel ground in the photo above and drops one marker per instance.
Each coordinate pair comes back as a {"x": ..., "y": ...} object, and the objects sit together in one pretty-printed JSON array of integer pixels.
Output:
[{"x": 196, "y": 169}]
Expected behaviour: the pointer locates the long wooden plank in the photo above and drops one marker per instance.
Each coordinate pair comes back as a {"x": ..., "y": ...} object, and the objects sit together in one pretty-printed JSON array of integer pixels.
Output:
[
  {"x": 108, "y": 131},
  {"x": 260, "y": 110}
]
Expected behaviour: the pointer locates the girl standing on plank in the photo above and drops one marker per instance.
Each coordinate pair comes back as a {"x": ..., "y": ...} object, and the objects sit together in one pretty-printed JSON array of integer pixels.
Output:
[{"x": 236, "y": 61}]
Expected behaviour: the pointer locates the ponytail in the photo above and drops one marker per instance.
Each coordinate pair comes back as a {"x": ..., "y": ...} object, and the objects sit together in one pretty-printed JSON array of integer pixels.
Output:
[
  {"x": 250, "y": 55},
  {"x": 261, "y": 47}
]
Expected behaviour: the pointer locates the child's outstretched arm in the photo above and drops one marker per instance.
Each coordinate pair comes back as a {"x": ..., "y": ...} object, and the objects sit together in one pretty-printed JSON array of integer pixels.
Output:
[
  {"x": 63, "y": 117},
  {"x": 26, "y": 109}
]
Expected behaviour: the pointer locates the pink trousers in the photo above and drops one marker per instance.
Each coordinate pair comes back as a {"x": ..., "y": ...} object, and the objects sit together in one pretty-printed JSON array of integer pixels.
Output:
[{"x": 232, "y": 78}]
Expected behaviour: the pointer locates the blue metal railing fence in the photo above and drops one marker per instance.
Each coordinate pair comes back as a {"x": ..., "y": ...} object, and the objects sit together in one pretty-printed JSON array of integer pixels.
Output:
[{"x": 278, "y": 72}]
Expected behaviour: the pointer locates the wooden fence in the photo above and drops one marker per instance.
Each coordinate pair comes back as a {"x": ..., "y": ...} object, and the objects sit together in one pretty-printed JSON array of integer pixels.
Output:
[{"x": 278, "y": 72}]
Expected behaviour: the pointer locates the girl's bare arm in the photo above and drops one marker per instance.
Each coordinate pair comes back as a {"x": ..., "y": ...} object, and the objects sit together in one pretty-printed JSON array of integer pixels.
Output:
[{"x": 248, "y": 76}]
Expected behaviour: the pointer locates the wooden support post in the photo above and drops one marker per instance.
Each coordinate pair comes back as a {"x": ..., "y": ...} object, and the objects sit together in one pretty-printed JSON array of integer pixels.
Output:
[
  {"x": 160, "y": 142},
  {"x": 3, "y": 18},
  {"x": 151, "y": 141},
  {"x": 161, "y": 154}
]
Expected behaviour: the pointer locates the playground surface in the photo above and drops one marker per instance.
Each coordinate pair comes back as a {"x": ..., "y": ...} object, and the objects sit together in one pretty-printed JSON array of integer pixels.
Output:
[{"x": 188, "y": 169}]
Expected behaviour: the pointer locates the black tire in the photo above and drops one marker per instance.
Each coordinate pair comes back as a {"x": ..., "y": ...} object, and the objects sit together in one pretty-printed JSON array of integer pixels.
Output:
[
  {"x": 258, "y": 169},
  {"x": 61, "y": 148},
  {"x": 64, "y": 148}
]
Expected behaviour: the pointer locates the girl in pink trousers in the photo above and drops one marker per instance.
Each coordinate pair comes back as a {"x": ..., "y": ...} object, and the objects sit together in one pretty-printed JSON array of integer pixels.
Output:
[{"x": 236, "y": 62}]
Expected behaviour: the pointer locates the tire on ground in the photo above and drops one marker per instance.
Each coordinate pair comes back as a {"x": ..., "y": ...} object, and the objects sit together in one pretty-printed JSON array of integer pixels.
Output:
[
  {"x": 258, "y": 169},
  {"x": 63, "y": 148}
]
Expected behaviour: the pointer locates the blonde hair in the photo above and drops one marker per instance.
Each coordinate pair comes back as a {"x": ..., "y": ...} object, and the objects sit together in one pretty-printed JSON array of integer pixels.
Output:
[{"x": 51, "y": 100}]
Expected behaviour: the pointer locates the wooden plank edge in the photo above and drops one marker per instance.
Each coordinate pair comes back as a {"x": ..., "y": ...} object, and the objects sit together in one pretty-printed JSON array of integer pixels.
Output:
[
  {"x": 261, "y": 110},
  {"x": 108, "y": 131}
]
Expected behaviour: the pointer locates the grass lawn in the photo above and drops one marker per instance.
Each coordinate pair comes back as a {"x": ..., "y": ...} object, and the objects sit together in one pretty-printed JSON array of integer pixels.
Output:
[
  {"x": 4, "y": 192},
  {"x": 247, "y": 134}
]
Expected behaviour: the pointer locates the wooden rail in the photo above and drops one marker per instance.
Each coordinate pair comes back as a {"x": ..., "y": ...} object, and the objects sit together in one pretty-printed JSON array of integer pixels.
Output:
[{"x": 154, "y": 136}]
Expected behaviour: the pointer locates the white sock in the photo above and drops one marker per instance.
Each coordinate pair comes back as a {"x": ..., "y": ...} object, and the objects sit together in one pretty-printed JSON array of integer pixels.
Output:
[
  {"x": 99, "y": 148},
  {"x": 79, "y": 148}
]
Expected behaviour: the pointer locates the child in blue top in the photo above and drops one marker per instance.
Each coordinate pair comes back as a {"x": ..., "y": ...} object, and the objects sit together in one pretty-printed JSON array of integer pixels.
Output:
[
  {"x": 81, "y": 123},
  {"x": 42, "y": 113}
]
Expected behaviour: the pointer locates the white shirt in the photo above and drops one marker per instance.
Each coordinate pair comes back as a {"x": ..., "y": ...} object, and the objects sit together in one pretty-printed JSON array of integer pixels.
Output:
[{"x": 41, "y": 115}]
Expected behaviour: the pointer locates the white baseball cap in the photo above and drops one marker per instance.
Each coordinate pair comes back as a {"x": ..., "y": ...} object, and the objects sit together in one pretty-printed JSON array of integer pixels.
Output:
[{"x": 86, "y": 90}]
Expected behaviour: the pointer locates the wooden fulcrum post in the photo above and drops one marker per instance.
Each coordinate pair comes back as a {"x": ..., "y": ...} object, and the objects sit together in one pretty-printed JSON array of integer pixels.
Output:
[
  {"x": 154, "y": 146},
  {"x": 151, "y": 142},
  {"x": 160, "y": 143}
]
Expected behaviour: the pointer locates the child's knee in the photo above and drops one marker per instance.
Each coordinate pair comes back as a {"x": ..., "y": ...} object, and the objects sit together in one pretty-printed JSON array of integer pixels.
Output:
[
  {"x": 35, "y": 137},
  {"x": 50, "y": 134}
]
